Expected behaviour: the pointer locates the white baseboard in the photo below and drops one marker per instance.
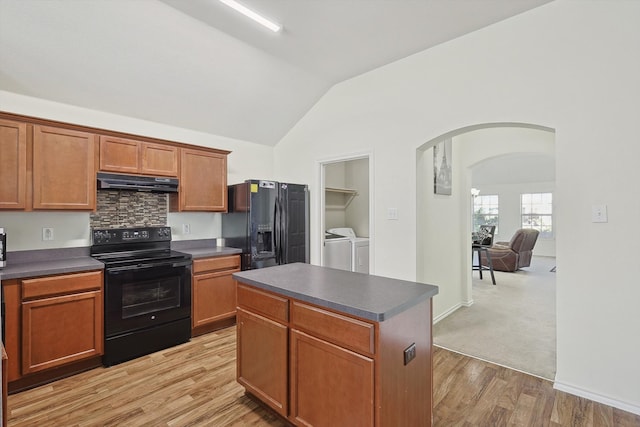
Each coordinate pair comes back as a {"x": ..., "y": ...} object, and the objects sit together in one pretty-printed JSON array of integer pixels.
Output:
[
  {"x": 451, "y": 310},
  {"x": 446, "y": 313},
  {"x": 577, "y": 391}
]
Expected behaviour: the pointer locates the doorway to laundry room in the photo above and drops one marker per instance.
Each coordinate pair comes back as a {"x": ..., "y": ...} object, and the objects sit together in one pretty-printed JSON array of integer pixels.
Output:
[{"x": 346, "y": 208}]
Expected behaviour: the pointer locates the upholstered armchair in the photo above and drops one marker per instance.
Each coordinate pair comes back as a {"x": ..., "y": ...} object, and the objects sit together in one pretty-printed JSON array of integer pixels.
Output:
[{"x": 515, "y": 254}]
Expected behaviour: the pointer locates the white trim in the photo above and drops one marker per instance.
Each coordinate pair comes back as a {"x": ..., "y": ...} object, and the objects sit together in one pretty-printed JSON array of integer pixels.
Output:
[
  {"x": 451, "y": 310},
  {"x": 577, "y": 391},
  {"x": 446, "y": 313}
]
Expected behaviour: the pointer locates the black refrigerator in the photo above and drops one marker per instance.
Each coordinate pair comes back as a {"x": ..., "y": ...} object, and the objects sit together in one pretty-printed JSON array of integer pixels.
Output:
[{"x": 269, "y": 221}]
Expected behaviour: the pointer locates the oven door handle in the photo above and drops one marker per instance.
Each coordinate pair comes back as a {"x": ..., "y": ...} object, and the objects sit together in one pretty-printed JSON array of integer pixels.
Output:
[{"x": 149, "y": 265}]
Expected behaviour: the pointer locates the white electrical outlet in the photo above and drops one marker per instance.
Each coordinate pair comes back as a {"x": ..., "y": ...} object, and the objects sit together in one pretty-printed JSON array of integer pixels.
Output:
[
  {"x": 186, "y": 228},
  {"x": 47, "y": 233},
  {"x": 392, "y": 213}
]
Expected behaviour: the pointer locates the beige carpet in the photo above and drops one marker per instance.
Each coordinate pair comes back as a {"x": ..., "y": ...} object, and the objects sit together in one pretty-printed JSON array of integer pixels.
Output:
[{"x": 512, "y": 324}]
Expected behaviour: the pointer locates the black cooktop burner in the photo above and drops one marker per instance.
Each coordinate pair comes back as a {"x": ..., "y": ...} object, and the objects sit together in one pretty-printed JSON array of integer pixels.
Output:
[
  {"x": 133, "y": 257},
  {"x": 127, "y": 246}
]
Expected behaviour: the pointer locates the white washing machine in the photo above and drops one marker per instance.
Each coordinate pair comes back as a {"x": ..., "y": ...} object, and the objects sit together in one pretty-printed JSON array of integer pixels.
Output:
[
  {"x": 337, "y": 252},
  {"x": 359, "y": 248}
]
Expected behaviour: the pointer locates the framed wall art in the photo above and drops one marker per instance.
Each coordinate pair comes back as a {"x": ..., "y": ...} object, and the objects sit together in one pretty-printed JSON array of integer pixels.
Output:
[{"x": 442, "y": 172}]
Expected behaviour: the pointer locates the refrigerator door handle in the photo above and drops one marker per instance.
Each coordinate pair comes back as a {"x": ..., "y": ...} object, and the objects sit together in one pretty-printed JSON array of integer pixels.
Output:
[
  {"x": 284, "y": 228},
  {"x": 276, "y": 230}
]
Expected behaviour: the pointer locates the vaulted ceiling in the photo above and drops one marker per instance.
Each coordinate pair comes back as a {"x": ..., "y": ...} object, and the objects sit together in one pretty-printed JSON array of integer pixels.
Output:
[{"x": 200, "y": 65}]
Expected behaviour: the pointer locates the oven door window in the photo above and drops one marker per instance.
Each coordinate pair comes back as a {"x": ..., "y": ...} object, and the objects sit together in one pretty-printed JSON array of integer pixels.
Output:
[{"x": 146, "y": 297}]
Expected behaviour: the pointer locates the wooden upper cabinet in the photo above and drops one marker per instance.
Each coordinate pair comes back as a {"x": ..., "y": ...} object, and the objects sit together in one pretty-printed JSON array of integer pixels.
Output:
[
  {"x": 203, "y": 182},
  {"x": 136, "y": 157},
  {"x": 159, "y": 159},
  {"x": 13, "y": 164},
  {"x": 64, "y": 169},
  {"x": 119, "y": 155}
]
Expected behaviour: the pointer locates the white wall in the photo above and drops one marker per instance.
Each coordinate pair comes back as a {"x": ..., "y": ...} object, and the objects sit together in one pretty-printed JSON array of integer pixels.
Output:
[
  {"x": 568, "y": 65},
  {"x": 334, "y": 177},
  {"x": 246, "y": 160},
  {"x": 353, "y": 175},
  {"x": 357, "y": 213}
]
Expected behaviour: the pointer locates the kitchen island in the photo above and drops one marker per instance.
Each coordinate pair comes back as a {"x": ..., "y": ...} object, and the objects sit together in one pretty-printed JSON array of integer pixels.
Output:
[{"x": 327, "y": 347}]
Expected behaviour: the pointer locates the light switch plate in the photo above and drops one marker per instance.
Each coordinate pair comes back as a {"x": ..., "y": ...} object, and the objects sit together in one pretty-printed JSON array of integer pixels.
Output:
[
  {"x": 599, "y": 213},
  {"x": 392, "y": 213}
]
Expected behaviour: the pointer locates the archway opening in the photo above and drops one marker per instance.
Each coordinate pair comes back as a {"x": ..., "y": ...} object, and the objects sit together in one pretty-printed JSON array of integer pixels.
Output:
[{"x": 444, "y": 222}]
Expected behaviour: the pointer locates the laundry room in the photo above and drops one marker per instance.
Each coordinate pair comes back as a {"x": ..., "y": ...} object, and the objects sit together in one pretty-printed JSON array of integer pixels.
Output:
[{"x": 346, "y": 215}]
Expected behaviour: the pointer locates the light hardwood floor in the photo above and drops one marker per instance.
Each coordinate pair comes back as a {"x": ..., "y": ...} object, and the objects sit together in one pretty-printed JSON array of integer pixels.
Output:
[{"x": 194, "y": 385}]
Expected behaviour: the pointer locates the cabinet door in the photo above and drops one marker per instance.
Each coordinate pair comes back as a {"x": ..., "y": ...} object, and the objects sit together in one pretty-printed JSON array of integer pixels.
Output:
[
  {"x": 13, "y": 164},
  {"x": 214, "y": 298},
  {"x": 64, "y": 169},
  {"x": 59, "y": 330},
  {"x": 203, "y": 181},
  {"x": 330, "y": 385},
  {"x": 11, "y": 319},
  {"x": 119, "y": 155},
  {"x": 262, "y": 359},
  {"x": 159, "y": 159}
]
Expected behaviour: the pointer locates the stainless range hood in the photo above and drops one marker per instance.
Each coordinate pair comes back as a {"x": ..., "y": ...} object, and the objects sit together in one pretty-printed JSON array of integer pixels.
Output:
[{"x": 114, "y": 181}]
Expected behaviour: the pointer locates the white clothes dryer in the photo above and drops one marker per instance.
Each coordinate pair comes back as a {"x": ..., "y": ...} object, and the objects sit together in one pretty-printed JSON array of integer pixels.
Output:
[{"x": 359, "y": 248}]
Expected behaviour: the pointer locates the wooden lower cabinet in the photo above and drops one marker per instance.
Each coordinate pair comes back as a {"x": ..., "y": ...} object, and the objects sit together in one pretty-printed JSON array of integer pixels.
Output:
[
  {"x": 336, "y": 369},
  {"x": 60, "y": 330},
  {"x": 330, "y": 385},
  {"x": 54, "y": 327},
  {"x": 213, "y": 293},
  {"x": 262, "y": 359}
]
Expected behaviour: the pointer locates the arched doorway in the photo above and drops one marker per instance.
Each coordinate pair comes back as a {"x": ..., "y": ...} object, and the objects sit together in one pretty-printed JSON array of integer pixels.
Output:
[{"x": 444, "y": 221}]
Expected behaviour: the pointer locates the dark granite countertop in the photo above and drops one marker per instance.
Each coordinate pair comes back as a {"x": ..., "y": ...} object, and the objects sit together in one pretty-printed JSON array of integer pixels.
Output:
[
  {"x": 371, "y": 297},
  {"x": 45, "y": 262},
  {"x": 204, "y": 248}
]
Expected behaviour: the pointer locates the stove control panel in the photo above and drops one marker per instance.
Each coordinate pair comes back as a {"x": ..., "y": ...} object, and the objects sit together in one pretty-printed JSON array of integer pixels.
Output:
[{"x": 131, "y": 235}]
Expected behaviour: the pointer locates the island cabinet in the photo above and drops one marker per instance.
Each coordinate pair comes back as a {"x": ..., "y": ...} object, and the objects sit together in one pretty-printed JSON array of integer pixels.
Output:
[
  {"x": 331, "y": 366},
  {"x": 262, "y": 340},
  {"x": 13, "y": 164},
  {"x": 203, "y": 181},
  {"x": 54, "y": 326},
  {"x": 137, "y": 157},
  {"x": 324, "y": 347},
  {"x": 64, "y": 169},
  {"x": 213, "y": 293}
]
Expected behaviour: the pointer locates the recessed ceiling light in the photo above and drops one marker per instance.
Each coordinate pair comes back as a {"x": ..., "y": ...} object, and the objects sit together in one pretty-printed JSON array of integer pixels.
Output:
[{"x": 253, "y": 15}]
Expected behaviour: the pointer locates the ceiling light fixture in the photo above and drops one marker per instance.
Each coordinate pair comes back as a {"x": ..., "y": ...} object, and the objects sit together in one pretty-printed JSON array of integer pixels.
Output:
[{"x": 253, "y": 15}]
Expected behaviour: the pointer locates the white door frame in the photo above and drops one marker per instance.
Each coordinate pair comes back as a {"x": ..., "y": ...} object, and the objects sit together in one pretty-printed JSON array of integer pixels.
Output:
[{"x": 321, "y": 201}]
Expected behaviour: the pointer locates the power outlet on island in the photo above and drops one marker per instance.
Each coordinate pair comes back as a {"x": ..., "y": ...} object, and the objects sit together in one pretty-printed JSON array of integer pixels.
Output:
[{"x": 409, "y": 353}]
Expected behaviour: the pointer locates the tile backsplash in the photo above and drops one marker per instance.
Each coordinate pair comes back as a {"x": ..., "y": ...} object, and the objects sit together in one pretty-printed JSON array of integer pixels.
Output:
[{"x": 121, "y": 208}]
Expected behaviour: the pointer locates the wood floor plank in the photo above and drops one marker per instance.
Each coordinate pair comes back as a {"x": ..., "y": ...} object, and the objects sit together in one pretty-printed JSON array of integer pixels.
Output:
[{"x": 194, "y": 385}]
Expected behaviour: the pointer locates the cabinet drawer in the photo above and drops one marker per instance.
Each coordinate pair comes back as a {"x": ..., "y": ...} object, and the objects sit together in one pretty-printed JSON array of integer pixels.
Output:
[
  {"x": 59, "y": 285},
  {"x": 219, "y": 263},
  {"x": 341, "y": 330},
  {"x": 268, "y": 305}
]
